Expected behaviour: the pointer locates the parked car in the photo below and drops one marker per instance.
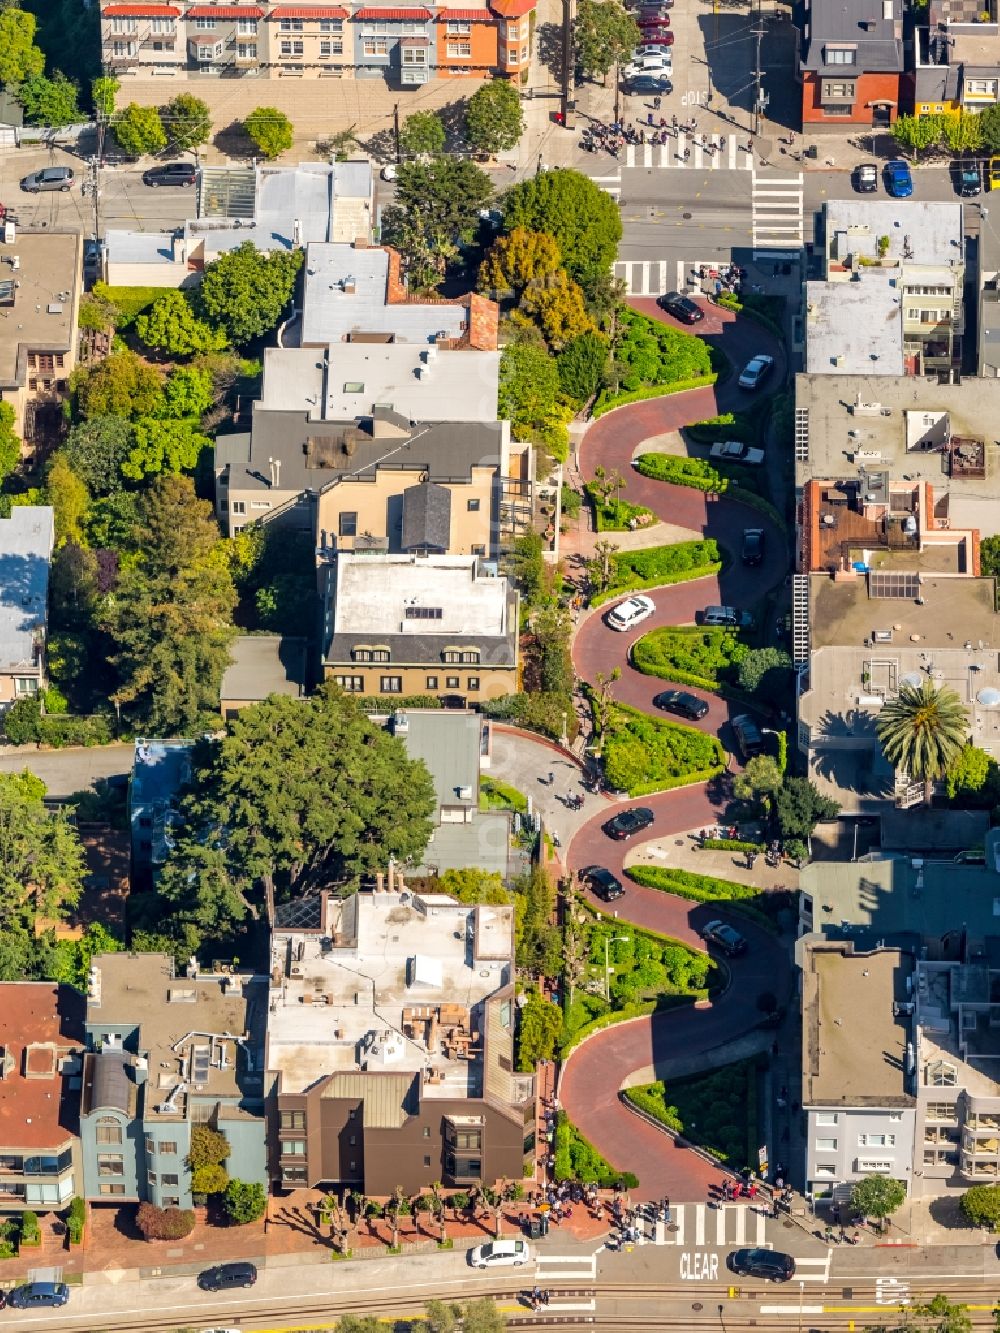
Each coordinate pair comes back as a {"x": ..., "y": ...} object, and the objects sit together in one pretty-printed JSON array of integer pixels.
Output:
[
  {"x": 898, "y": 180},
  {"x": 769, "y": 1264},
  {"x": 654, "y": 37},
  {"x": 655, "y": 66},
  {"x": 39, "y": 1296},
  {"x": 968, "y": 179},
  {"x": 865, "y": 178},
  {"x": 650, "y": 21},
  {"x": 170, "y": 173},
  {"x": 630, "y": 612},
  {"x": 648, "y": 85},
  {"x": 224, "y": 1277},
  {"x": 728, "y": 616},
  {"x": 724, "y": 937},
  {"x": 681, "y": 307},
  {"x": 652, "y": 8},
  {"x": 628, "y": 822},
  {"x": 651, "y": 50},
  {"x": 602, "y": 883},
  {"x": 49, "y": 178},
  {"x": 754, "y": 544},
  {"x": 93, "y": 251},
  {"x": 681, "y": 703},
  {"x": 994, "y": 173},
  {"x": 736, "y": 451},
  {"x": 748, "y": 736},
  {"x": 500, "y": 1254},
  {"x": 756, "y": 371}
]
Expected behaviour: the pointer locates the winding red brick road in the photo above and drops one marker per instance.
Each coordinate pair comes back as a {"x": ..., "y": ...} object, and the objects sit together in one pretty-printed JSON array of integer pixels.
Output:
[{"x": 593, "y": 1075}]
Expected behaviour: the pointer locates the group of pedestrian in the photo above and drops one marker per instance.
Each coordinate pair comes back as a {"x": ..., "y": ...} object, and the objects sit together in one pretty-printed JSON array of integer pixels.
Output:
[
  {"x": 739, "y": 1189},
  {"x": 539, "y": 1299}
]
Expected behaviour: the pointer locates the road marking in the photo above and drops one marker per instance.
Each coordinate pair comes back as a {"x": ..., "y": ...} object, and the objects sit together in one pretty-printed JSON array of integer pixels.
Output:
[
  {"x": 891, "y": 1291},
  {"x": 670, "y": 156},
  {"x": 650, "y": 277},
  {"x": 792, "y": 1309},
  {"x": 699, "y": 1225},
  {"x": 586, "y": 1266},
  {"x": 776, "y": 212}
]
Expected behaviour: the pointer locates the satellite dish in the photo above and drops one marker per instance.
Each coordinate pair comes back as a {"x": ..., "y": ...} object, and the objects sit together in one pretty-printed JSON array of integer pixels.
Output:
[
  {"x": 913, "y": 678},
  {"x": 989, "y": 697}
]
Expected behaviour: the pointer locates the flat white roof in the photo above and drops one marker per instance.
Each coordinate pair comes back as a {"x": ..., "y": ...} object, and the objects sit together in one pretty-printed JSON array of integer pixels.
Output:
[{"x": 382, "y": 594}]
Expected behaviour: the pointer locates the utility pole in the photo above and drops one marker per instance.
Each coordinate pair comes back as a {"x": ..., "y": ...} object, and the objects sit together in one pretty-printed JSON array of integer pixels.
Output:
[
  {"x": 618, "y": 93},
  {"x": 566, "y": 102},
  {"x": 395, "y": 131},
  {"x": 760, "y": 97}
]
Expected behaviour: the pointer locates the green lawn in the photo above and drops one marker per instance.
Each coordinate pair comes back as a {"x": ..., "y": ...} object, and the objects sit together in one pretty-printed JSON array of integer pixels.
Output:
[
  {"x": 657, "y": 566},
  {"x": 691, "y": 655},
  {"x": 645, "y": 754},
  {"x": 718, "y": 1111},
  {"x": 744, "y": 898},
  {"x": 616, "y": 515},
  {"x": 497, "y": 795}
]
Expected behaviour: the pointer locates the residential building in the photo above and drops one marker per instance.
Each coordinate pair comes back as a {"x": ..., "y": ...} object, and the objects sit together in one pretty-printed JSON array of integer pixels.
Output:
[
  {"x": 166, "y": 1053},
  {"x": 41, "y": 1041},
  {"x": 261, "y": 665},
  {"x": 275, "y": 207},
  {"x": 39, "y": 300},
  {"x": 989, "y": 305},
  {"x": 891, "y": 302},
  {"x": 193, "y": 39},
  {"x": 857, "y": 1076},
  {"x": 160, "y": 770},
  {"x": 390, "y": 1044},
  {"x": 851, "y": 63},
  {"x": 956, "y": 58},
  {"x": 26, "y": 540},
  {"x": 444, "y": 625}
]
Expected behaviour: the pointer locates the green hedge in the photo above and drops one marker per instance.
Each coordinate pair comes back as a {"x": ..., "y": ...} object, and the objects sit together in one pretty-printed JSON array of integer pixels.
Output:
[
  {"x": 659, "y": 566},
  {"x": 730, "y": 845},
  {"x": 497, "y": 795},
  {"x": 614, "y": 515},
  {"x": 541, "y": 712},
  {"x": 130, "y": 301},
  {"x": 691, "y": 655},
  {"x": 577, "y": 1159},
  {"x": 745, "y": 898},
  {"x": 645, "y": 754},
  {"x": 679, "y": 470},
  {"x": 389, "y": 703},
  {"x": 717, "y": 1111},
  {"x": 608, "y": 401}
]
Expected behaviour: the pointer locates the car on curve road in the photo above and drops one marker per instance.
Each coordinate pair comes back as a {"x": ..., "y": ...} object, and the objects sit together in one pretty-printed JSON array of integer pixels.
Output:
[
  {"x": 630, "y": 612},
  {"x": 729, "y": 617},
  {"x": 754, "y": 545},
  {"x": 681, "y": 307},
  {"x": 724, "y": 937},
  {"x": 755, "y": 372},
  {"x": 602, "y": 883},
  {"x": 500, "y": 1254},
  {"x": 736, "y": 451},
  {"x": 769, "y": 1264},
  {"x": 898, "y": 180},
  {"x": 629, "y": 822},
  {"x": 681, "y": 703}
]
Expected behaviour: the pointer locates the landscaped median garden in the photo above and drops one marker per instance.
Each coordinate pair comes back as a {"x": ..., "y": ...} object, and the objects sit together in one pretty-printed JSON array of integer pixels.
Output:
[
  {"x": 725, "y": 893},
  {"x": 653, "y": 359},
  {"x": 707, "y": 658},
  {"x": 645, "y": 754},
  {"x": 741, "y": 483},
  {"x": 716, "y": 1111},
  {"x": 657, "y": 567}
]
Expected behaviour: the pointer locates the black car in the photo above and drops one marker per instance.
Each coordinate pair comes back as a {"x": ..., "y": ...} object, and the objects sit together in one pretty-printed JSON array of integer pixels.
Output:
[
  {"x": 224, "y": 1277},
  {"x": 602, "y": 883},
  {"x": 748, "y": 736},
  {"x": 681, "y": 307},
  {"x": 769, "y": 1264},
  {"x": 865, "y": 178},
  {"x": 681, "y": 703},
  {"x": 650, "y": 85},
  {"x": 170, "y": 173},
  {"x": 968, "y": 179},
  {"x": 628, "y": 822},
  {"x": 753, "y": 546},
  {"x": 724, "y": 937}
]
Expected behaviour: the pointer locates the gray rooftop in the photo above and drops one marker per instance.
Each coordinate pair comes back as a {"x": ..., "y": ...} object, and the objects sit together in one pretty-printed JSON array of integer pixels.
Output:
[
  {"x": 382, "y": 594},
  {"x": 140, "y": 247},
  {"x": 426, "y": 518},
  {"x": 345, "y": 293},
  {"x": 25, "y": 553},
  {"x": 263, "y": 664},
  {"x": 854, "y": 328},
  {"x": 875, "y": 30},
  {"x": 920, "y": 231}
]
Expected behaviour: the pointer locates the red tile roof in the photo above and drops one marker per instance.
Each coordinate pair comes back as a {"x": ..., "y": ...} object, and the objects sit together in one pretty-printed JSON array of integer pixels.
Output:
[
  {"x": 393, "y": 15},
  {"x": 512, "y": 9},
  {"x": 308, "y": 12},
  {"x": 468, "y": 15},
  {"x": 140, "y": 11},
  {"x": 225, "y": 12},
  {"x": 34, "y": 1113}
]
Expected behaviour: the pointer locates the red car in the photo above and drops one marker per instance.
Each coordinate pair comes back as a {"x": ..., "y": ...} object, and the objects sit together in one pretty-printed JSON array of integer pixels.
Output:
[
  {"x": 657, "y": 37},
  {"x": 654, "y": 21}
]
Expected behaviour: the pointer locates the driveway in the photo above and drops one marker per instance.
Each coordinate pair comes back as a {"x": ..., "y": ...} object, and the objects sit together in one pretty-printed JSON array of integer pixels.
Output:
[{"x": 67, "y": 771}]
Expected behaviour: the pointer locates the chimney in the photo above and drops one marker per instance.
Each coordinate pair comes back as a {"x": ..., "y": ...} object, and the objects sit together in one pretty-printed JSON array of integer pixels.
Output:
[
  {"x": 277, "y": 470},
  {"x": 296, "y": 232},
  {"x": 391, "y": 877}
]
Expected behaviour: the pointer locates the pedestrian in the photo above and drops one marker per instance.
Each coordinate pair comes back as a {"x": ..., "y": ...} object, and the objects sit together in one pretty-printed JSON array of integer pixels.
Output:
[
  {"x": 722, "y": 141},
  {"x": 687, "y": 154}
]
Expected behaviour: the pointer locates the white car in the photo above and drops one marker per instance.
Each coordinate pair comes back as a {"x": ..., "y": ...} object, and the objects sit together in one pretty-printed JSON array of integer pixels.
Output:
[
  {"x": 658, "y": 64},
  {"x": 630, "y": 612},
  {"x": 736, "y": 451},
  {"x": 755, "y": 372},
  {"x": 501, "y": 1254}
]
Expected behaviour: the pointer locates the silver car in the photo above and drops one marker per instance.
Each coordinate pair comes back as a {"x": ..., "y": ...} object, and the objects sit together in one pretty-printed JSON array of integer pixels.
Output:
[{"x": 49, "y": 178}]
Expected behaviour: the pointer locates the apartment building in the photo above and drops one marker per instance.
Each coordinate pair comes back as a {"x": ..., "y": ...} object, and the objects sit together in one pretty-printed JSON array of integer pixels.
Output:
[
  {"x": 41, "y": 1041},
  {"x": 165, "y": 1053},
  {"x": 390, "y": 1043},
  {"x": 26, "y": 542},
  {"x": 956, "y": 57},
  {"x": 160, "y": 769},
  {"x": 851, "y": 63},
  {"x": 406, "y": 46},
  {"x": 444, "y": 625}
]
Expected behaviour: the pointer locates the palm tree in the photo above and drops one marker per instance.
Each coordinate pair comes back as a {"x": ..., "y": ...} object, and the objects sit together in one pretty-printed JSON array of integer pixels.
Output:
[{"x": 922, "y": 731}]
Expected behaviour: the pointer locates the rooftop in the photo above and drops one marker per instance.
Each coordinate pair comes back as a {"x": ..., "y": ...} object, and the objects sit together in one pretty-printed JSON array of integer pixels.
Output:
[
  {"x": 202, "y": 1035},
  {"x": 159, "y": 770},
  {"x": 40, "y": 1042},
  {"x": 958, "y": 1037},
  {"x": 919, "y": 232},
  {"x": 25, "y": 552},
  {"x": 951, "y": 612},
  {"x": 263, "y": 664},
  {"x": 390, "y": 982},
  {"x": 851, "y": 326},
  {"x": 875, "y": 31},
  {"x": 40, "y": 312},
  {"x": 140, "y": 247},
  {"x": 854, "y": 1045}
]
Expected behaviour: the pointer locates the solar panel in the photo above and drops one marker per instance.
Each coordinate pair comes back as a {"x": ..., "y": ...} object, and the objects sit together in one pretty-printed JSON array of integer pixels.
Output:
[
  {"x": 893, "y": 586},
  {"x": 201, "y": 1064}
]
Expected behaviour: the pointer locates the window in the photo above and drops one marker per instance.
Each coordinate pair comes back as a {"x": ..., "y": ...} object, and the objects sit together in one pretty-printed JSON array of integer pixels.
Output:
[
  {"x": 292, "y": 48},
  {"x": 370, "y": 655},
  {"x": 171, "y": 1201},
  {"x": 825, "y": 1170},
  {"x": 210, "y": 52},
  {"x": 247, "y": 51},
  {"x": 239, "y": 506},
  {"x": 478, "y": 549},
  {"x": 375, "y": 46},
  {"x": 347, "y": 524},
  {"x": 293, "y": 1147},
  {"x": 170, "y": 1179},
  {"x": 473, "y": 683},
  {"x": 162, "y": 25},
  {"x": 423, "y": 613},
  {"x": 26, "y": 685},
  {"x": 459, "y": 50},
  {"x": 123, "y": 25},
  {"x": 460, "y": 655},
  {"x": 826, "y": 1145},
  {"x": 980, "y": 87},
  {"x": 826, "y": 1118},
  {"x": 414, "y": 55},
  {"x": 247, "y": 27},
  {"x": 108, "y": 1130},
  {"x": 331, "y": 25},
  {"x": 432, "y": 684},
  {"x": 292, "y": 1119},
  {"x": 895, "y": 1116},
  {"x": 291, "y": 25},
  {"x": 876, "y": 1140},
  {"x": 940, "y": 1111},
  {"x": 110, "y": 1164},
  {"x": 150, "y": 1177},
  {"x": 838, "y": 90},
  {"x": 391, "y": 684},
  {"x": 294, "y": 1174},
  {"x": 524, "y": 52},
  {"x": 427, "y": 1131},
  {"x": 111, "y": 1189},
  {"x": 840, "y": 55},
  {"x": 513, "y": 32},
  {"x": 204, "y": 25},
  {"x": 941, "y": 1074},
  {"x": 352, "y": 684},
  {"x": 459, "y": 27},
  {"x": 427, "y": 1161},
  {"x": 472, "y": 506},
  {"x": 451, "y": 682}
]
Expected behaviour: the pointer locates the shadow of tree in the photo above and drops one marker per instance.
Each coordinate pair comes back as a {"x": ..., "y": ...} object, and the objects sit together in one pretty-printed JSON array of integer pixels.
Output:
[
  {"x": 233, "y": 141},
  {"x": 549, "y": 47}
]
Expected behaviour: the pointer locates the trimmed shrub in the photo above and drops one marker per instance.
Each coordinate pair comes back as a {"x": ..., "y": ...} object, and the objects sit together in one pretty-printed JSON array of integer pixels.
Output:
[
  {"x": 679, "y": 470},
  {"x": 658, "y": 566},
  {"x": 577, "y": 1159},
  {"x": 76, "y": 1219},
  {"x": 389, "y": 703},
  {"x": 164, "y": 1223},
  {"x": 703, "y": 657},
  {"x": 543, "y": 712},
  {"x": 645, "y": 754}
]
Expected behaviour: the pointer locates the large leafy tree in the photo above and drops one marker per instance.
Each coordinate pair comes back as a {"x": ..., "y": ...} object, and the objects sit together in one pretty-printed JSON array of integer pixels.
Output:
[
  {"x": 877, "y": 1196},
  {"x": 531, "y": 396},
  {"x": 170, "y": 325},
  {"x": 581, "y": 366},
  {"x": 10, "y": 444},
  {"x": 245, "y": 293},
  {"x": 298, "y": 794},
  {"x": 49, "y": 101},
  {"x": 169, "y": 617},
  {"x": 494, "y": 120},
  {"x": 163, "y": 447},
  {"x": 981, "y": 1206},
  {"x": 423, "y": 134},
  {"x": 270, "y": 130},
  {"x": 516, "y": 261},
  {"x": 42, "y": 862},
  {"x": 244, "y": 1201},
  {"x": 556, "y": 304},
  {"x": 187, "y": 121},
  {"x": 914, "y": 133},
  {"x": 800, "y": 806},
  {"x": 69, "y": 499},
  {"x": 95, "y": 449},
  {"x": 604, "y": 34},
  {"x": 121, "y": 385},
  {"x": 139, "y": 130},
  {"x": 584, "y": 221},
  {"x": 437, "y": 206},
  {"x": 103, "y": 91},
  {"x": 922, "y": 731},
  {"x": 20, "y": 58}
]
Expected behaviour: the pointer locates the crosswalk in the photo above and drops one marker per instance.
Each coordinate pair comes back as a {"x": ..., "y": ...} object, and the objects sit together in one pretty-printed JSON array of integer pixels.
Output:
[
  {"x": 650, "y": 277},
  {"x": 699, "y": 1226},
  {"x": 698, "y": 152},
  {"x": 776, "y": 213},
  {"x": 567, "y": 1268}
]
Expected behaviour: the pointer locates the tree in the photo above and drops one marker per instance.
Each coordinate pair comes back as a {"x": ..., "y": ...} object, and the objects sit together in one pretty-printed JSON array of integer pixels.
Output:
[
  {"x": 437, "y": 206},
  {"x": 188, "y": 122},
  {"x": 297, "y": 793},
  {"x": 49, "y": 101},
  {"x": 10, "y": 444},
  {"x": 604, "y": 34},
  {"x": 359, "y": 1323},
  {"x": 584, "y": 221},
  {"x": 557, "y": 304},
  {"x": 245, "y": 292},
  {"x": 270, "y": 130},
  {"x": 760, "y": 780},
  {"x": 989, "y": 556},
  {"x": 536, "y": 940},
  {"x": 208, "y": 1147},
  {"x": 170, "y": 325},
  {"x": 531, "y": 398},
  {"x": 163, "y": 447},
  {"x": 766, "y": 671},
  {"x": 188, "y": 392},
  {"x": 540, "y": 1024},
  {"x": 494, "y": 120},
  {"x": 915, "y": 133},
  {"x": 69, "y": 498},
  {"x": 440, "y": 1317},
  {"x": 164, "y": 1223},
  {"x": 962, "y": 133},
  {"x": 139, "y": 130},
  {"x": 20, "y": 58},
  {"x": 877, "y": 1196},
  {"x": 581, "y": 366},
  {"x": 209, "y": 1179},
  {"x": 800, "y": 806},
  {"x": 473, "y": 886},
  {"x": 973, "y": 777},
  {"x": 922, "y": 730},
  {"x": 482, "y": 1316},
  {"x": 42, "y": 862},
  {"x": 989, "y": 128},
  {"x": 121, "y": 385},
  {"x": 422, "y": 134},
  {"x": 981, "y": 1206},
  {"x": 103, "y": 91},
  {"x": 517, "y": 260},
  {"x": 244, "y": 1201}
]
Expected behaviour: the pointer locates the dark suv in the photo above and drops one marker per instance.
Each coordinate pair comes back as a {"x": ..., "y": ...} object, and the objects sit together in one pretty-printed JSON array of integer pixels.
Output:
[
  {"x": 602, "y": 883},
  {"x": 769, "y": 1264},
  {"x": 627, "y": 823},
  {"x": 681, "y": 307},
  {"x": 748, "y": 736},
  {"x": 753, "y": 546},
  {"x": 223, "y": 1277},
  {"x": 170, "y": 173}
]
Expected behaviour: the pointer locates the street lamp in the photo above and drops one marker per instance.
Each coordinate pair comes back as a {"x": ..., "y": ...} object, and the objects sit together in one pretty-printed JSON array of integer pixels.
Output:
[{"x": 611, "y": 939}]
